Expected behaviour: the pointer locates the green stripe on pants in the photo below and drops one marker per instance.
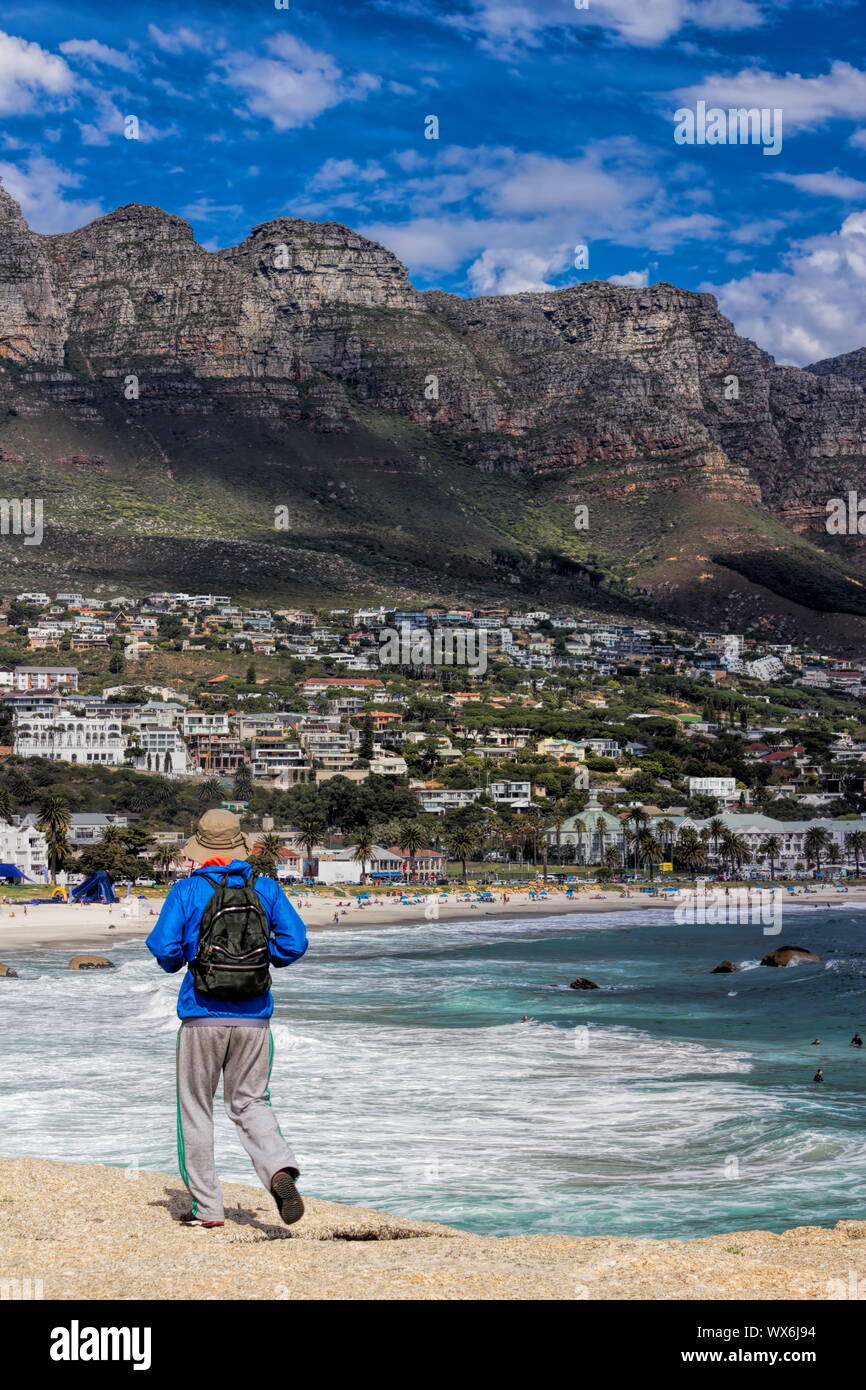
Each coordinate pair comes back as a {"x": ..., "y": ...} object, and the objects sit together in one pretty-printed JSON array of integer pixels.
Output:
[{"x": 181, "y": 1147}]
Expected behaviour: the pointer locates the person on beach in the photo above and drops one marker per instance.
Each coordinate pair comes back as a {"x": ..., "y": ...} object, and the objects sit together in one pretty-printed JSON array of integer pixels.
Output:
[{"x": 227, "y": 930}]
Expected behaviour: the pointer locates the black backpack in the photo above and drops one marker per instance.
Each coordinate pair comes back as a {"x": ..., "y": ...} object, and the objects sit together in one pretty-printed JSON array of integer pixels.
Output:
[{"x": 233, "y": 957}]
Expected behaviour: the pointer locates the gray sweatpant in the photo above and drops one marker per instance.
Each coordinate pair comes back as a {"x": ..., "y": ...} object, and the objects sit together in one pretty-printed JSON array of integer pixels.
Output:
[{"x": 244, "y": 1056}]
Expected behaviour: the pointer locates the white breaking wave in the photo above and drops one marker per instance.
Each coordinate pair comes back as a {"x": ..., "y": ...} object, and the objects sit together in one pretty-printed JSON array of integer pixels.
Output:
[{"x": 397, "y": 1093}]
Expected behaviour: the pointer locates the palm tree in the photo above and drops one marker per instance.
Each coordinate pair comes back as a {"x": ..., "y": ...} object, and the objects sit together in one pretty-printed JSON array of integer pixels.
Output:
[
  {"x": 363, "y": 852},
  {"x": 638, "y": 817},
  {"x": 610, "y": 860},
  {"x": 556, "y": 823},
  {"x": 769, "y": 848},
  {"x": 691, "y": 851},
  {"x": 165, "y": 858},
  {"x": 601, "y": 831},
  {"x": 580, "y": 831},
  {"x": 666, "y": 831},
  {"x": 737, "y": 850},
  {"x": 815, "y": 841},
  {"x": 461, "y": 842},
  {"x": 210, "y": 790},
  {"x": 535, "y": 825},
  {"x": 412, "y": 836},
  {"x": 834, "y": 854},
  {"x": 716, "y": 827},
  {"x": 855, "y": 843},
  {"x": 267, "y": 853},
  {"x": 649, "y": 850},
  {"x": 308, "y": 834},
  {"x": 7, "y": 805},
  {"x": 54, "y": 821},
  {"x": 243, "y": 783}
]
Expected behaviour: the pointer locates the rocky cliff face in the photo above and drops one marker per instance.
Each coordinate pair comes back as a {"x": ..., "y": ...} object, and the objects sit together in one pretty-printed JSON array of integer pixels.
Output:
[
  {"x": 597, "y": 391},
  {"x": 535, "y": 382},
  {"x": 32, "y": 321}
]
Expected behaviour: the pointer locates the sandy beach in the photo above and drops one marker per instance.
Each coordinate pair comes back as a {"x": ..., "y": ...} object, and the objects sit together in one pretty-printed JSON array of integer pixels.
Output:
[
  {"x": 93, "y": 1232},
  {"x": 91, "y": 925}
]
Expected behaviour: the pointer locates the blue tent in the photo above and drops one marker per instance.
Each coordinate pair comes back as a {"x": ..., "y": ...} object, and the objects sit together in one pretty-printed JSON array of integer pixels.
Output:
[
  {"x": 12, "y": 871},
  {"x": 97, "y": 888}
]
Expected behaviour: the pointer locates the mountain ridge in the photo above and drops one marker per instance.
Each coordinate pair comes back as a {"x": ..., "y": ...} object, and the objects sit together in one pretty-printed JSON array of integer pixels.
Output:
[{"x": 303, "y": 360}]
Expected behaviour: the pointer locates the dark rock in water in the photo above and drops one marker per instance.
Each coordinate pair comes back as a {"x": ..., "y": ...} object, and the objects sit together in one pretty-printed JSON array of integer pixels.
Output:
[
  {"x": 7, "y": 972},
  {"x": 726, "y": 967},
  {"x": 91, "y": 963},
  {"x": 581, "y": 983},
  {"x": 788, "y": 955}
]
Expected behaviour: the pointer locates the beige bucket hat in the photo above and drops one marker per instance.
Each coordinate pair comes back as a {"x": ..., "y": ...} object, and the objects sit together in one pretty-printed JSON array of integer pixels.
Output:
[{"x": 218, "y": 836}]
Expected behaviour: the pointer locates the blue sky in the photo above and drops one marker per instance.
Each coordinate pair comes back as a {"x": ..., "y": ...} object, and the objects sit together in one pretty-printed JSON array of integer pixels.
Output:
[{"x": 556, "y": 130}]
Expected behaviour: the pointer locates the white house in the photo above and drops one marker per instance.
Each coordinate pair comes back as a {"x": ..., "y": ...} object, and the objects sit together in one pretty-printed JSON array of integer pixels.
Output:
[
  {"x": 69, "y": 738},
  {"x": 24, "y": 846},
  {"x": 516, "y": 794},
  {"x": 438, "y": 800},
  {"x": 722, "y": 787}
]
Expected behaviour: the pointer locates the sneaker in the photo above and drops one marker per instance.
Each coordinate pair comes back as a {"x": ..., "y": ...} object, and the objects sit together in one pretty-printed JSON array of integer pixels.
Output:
[
  {"x": 197, "y": 1221},
  {"x": 286, "y": 1195}
]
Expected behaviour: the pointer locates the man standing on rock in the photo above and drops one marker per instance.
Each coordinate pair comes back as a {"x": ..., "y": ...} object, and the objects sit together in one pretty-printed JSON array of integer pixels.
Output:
[{"x": 228, "y": 932}]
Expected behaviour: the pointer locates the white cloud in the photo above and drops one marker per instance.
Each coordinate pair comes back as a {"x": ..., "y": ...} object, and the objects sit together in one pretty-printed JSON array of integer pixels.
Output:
[
  {"x": 39, "y": 186},
  {"x": 296, "y": 84},
  {"x": 336, "y": 172},
  {"x": 92, "y": 51},
  {"x": 668, "y": 233},
  {"x": 829, "y": 185},
  {"x": 205, "y": 209},
  {"x": 805, "y": 101},
  {"x": 30, "y": 78},
  {"x": 513, "y": 270},
  {"x": 107, "y": 125},
  {"x": 812, "y": 308},
  {"x": 857, "y": 139},
  {"x": 636, "y": 279},
  {"x": 758, "y": 233},
  {"x": 431, "y": 243},
  {"x": 518, "y": 218},
  {"x": 505, "y": 27},
  {"x": 539, "y": 183},
  {"x": 178, "y": 39}
]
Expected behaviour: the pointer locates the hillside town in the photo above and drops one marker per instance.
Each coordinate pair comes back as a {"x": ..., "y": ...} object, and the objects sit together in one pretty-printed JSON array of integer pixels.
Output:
[{"x": 576, "y": 741}]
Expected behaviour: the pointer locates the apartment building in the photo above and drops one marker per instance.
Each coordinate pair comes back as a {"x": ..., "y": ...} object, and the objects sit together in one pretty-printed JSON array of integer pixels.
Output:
[
  {"x": 45, "y": 678},
  {"x": 438, "y": 800},
  {"x": 195, "y": 721},
  {"x": 162, "y": 750},
  {"x": 215, "y": 755},
  {"x": 330, "y": 748},
  {"x": 276, "y": 757},
  {"x": 65, "y": 737}
]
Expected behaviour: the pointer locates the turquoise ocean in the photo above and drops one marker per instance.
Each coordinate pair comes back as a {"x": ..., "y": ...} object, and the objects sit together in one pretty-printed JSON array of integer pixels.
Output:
[{"x": 669, "y": 1102}]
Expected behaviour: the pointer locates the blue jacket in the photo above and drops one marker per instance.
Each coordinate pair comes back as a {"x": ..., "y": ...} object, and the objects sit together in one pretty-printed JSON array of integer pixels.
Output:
[{"x": 174, "y": 939}]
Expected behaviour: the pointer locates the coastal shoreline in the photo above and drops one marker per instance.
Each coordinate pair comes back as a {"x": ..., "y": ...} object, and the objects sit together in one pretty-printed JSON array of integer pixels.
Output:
[{"x": 97, "y": 925}]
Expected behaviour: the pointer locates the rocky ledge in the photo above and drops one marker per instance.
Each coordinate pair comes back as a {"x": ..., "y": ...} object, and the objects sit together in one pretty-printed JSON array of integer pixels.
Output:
[{"x": 93, "y": 1232}]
